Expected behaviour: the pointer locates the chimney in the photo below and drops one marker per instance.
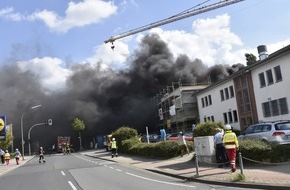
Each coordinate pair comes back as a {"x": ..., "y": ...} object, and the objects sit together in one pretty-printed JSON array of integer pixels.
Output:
[{"x": 262, "y": 50}]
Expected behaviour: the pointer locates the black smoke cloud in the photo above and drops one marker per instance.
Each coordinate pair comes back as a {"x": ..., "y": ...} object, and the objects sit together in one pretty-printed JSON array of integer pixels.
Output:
[{"x": 104, "y": 100}]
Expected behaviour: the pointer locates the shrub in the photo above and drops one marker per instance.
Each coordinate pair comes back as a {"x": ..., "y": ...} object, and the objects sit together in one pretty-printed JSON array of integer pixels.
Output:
[
  {"x": 255, "y": 150},
  {"x": 124, "y": 133},
  {"x": 207, "y": 129}
]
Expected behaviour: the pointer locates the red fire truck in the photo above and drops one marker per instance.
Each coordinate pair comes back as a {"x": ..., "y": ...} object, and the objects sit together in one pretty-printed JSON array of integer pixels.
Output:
[{"x": 61, "y": 143}]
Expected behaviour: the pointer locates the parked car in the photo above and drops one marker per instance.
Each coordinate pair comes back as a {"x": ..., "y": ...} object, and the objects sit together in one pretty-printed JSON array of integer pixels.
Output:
[
  {"x": 277, "y": 132},
  {"x": 152, "y": 138},
  {"x": 174, "y": 136}
]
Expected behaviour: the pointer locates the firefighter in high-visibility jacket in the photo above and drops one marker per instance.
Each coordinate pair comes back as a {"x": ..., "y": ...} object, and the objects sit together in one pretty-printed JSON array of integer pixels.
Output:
[
  {"x": 114, "y": 148},
  {"x": 231, "y": 143}
]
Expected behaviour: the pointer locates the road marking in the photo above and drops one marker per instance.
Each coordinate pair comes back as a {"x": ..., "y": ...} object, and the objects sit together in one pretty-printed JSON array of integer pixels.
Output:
[
  {"x": 62, "y": 173},
  {"x": 72, "y": 185},
  {"x": 118, "y": 170},
  {"x": 169, "y": 183}
]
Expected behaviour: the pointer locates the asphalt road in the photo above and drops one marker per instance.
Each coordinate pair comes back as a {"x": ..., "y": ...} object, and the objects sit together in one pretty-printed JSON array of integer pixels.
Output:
[{"x": 76, "y": 172}]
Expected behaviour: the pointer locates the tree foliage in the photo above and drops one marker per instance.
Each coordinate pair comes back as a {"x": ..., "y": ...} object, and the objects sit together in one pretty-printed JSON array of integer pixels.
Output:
[
  {"x": 4, "y": 145},
  {"x": 207, "y": 128},
  {"x": 251, "y": 58},
  {"x": 78, "y": 124}
]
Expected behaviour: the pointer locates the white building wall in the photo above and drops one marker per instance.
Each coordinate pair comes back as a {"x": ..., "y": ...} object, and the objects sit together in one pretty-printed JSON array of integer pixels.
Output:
[
  {"x": 274, "y": 91},
  {"x": 218, "y": 107}
]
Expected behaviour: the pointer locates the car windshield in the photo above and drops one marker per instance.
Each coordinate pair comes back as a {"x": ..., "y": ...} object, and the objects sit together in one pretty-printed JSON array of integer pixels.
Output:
[{"x": 282, "y": 126}]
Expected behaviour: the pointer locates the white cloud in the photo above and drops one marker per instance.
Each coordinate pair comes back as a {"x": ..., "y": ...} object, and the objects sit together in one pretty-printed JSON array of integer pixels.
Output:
[
  {"x": 9, "y": 14},
  {"x": 77, "y": 15},
  {"x": 110, "y": 58},
  {"x": 211, "y": 41},
  {"x": 49, "y": 70}
]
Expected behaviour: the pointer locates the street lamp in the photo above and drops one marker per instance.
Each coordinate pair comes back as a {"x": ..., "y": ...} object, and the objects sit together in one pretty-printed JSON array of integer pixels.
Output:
[{"x": 21, "y": 123}]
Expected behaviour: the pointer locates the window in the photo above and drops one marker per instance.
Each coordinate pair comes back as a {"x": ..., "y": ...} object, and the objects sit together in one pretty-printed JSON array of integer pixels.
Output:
[
  {"x": 258, "y": 129},
  {"x": 202, "y": 101},
  {"x": 212, "y": 118},
  {"x": 283, "y": 106},
  {"x": 227, "y": 93},
  {"x": 232, "y": 92},
  {"x": 204, "y": 119},
  {"x": 278, "y": 73},
  {"x": 274, "y": 108},
  {"x": 266, "y": 128},
  {"x": 244, "y": 81},
  {"x": 230, "y": 117},
  {"x": 222, "y": 95},
  {"x": 247, "y": 100},
  {"x": 269, "y": 77},
  {"x": 206, "y": 101},
  {"x": 235, "y": 116},
  {"x": 249, "y": 130},
  {"x": 241, "y": 102},
  {"x": 209, "y": 99},
  {"x": 262, "y": 80},
  {"x": 225, "y": 118},
  {"x": 266, "y": 109}
]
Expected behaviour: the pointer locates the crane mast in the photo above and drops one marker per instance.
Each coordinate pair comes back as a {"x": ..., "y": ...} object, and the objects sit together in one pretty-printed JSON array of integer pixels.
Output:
[{"x": 174, "y": 18}]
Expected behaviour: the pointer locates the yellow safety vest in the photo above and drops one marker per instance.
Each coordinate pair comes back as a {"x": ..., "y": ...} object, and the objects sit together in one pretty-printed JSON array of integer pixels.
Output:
[
  {"x": 230, "y": 140},
  {"x": 7, "y": 156},
  {"x": 114, "y": 144}
]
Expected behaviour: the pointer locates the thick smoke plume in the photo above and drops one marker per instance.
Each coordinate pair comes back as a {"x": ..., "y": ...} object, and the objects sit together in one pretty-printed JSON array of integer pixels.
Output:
[{"x": 104, "y": 100}]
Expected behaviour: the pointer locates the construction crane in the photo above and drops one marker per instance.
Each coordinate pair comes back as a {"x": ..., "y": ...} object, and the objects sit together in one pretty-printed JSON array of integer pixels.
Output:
[{"x": 182, "y": 15}]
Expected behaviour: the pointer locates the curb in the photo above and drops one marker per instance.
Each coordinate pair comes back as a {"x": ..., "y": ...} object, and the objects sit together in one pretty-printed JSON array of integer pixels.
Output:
[{"x": 233, "y": 184}]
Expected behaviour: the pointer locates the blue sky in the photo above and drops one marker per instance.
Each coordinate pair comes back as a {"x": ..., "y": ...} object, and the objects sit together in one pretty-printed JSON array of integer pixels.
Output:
[{"x": 43, "y": 36}]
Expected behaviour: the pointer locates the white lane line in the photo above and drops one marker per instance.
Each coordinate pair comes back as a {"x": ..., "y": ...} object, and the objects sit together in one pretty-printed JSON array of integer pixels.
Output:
[
  {"x": 72, "y": 185},
  {"x": 62, "y": 173},
  {"x": 169, "y": 183},
  {"x": 118, "y": 170}
]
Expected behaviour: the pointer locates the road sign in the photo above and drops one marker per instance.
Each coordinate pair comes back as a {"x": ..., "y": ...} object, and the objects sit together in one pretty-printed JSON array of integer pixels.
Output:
[{"x": 2, "y": 125}]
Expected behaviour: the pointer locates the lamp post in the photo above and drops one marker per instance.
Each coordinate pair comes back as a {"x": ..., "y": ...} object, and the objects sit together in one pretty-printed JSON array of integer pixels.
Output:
[{"x": 21, "y": 123}]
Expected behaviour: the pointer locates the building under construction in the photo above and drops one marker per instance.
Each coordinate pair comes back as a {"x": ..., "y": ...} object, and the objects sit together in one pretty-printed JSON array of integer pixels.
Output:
[{"x": 177, "y": 106}]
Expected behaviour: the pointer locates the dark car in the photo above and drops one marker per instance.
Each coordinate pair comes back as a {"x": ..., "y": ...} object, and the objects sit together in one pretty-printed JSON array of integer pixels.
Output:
[
  {"x": 175, "y": 137},
  {"x": 151, "y": 137}
]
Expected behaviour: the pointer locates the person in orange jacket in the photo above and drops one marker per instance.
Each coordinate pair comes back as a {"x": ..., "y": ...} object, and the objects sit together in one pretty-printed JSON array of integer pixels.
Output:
[{"x": 7, "y": 157}]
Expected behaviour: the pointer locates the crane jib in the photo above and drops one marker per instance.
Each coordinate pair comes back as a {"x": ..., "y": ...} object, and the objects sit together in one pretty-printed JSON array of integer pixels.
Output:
[{"x": 174, "y": 18}]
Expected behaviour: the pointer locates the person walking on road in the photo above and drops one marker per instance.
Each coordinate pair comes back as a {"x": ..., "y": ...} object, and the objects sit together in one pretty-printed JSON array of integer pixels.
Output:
[
  {"x": 232, "y": 145},
  {"x": 220, "y": 150},
  {"x": 7, "y": 157},
  {"x": 182, "y": 144},
  {"x": 114, "y": 148},
  {"x": 17, "y": 156},
  {"x": 41, "y": 155},
  {"x": 2, "y": 156}
]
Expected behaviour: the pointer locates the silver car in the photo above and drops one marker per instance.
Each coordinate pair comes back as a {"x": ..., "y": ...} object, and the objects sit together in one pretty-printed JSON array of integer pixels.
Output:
[{"x": 277, "y": 132}]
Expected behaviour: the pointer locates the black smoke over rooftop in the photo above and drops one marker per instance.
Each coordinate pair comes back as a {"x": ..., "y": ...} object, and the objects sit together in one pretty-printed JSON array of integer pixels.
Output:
[{"x": 105, "y": 100}]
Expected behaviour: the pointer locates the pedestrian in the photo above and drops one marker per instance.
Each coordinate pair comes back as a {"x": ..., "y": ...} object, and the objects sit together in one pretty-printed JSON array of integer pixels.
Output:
[
  {"x": 231, "y": 143},
  {"x": 17, "y": 156},
  {"x": 182, "y": 144},
  {"x": 114, "y": 148},
  {"x": 162, "y": 134},
  {"x": 220, "y": 150},
  {"x": 7, "y": 157},
  {"x": 41, "y": 155},
  {"x": 2, "y": 156}
]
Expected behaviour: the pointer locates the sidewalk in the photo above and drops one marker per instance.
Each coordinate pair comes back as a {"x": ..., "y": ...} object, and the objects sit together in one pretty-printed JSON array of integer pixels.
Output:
[
  {"x": 260, "y": 176},
  {"x": 12, "y": 165}
]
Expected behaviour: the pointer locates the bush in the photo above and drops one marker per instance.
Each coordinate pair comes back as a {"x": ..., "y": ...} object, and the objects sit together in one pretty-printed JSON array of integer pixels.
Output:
[
  {"x": 207, "y": 129},
  {"x": 255, "y": 150},
  {"x": 280, "y": 153},
  {"x": 124, "y": 133}
]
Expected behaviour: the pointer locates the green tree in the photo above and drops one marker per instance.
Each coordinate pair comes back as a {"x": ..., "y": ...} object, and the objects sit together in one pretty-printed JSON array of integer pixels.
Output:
[
  {"x": 78, "y": 125},
  {"x": 5, "y": 144},
  {"x": 251, "y": 58}
]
